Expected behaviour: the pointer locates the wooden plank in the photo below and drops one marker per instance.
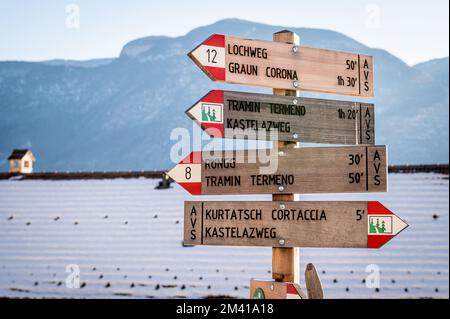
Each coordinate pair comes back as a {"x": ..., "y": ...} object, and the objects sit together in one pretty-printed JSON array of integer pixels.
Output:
[
  {"x": 290, "y": 224},
  {"x": 285, "y": 66},
  {"x": 226, "y": 114},
  {"x": 286, "y": 260},
  {"x": 352, "y": 169},
  {"x": 262, "y": 289},
  {"x": 313, "y": 285}
]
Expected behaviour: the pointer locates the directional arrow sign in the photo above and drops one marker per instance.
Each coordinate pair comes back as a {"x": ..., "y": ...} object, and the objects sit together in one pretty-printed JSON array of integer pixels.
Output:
[
  {"x": 351, "y": 169},
  {"x": 290, "y": 224},
  {"x": 285, "y": 66},
  {"x": 226, "y": 114},
  {"x": 263, "y": 289}
]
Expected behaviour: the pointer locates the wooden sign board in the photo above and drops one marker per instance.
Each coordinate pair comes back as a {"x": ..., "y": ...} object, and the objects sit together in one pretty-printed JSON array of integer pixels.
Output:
[
  {"x": 351, "y": 169},
  {"x": 225, "y": 114},
  {"x": 290, "y": 224},
  {"x": 261, "y": 289},
  {"x": 284, "y": 66}
]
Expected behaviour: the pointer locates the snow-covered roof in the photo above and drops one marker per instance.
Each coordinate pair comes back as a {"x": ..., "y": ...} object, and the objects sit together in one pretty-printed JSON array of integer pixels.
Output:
[{"x": 19, "y": 154}]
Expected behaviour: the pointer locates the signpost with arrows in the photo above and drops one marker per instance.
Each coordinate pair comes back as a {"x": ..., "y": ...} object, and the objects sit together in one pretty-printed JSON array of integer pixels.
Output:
[
  {"x": 290, "y": 224},
  {"x": 285, "y": 66},
  {"x": 286, "y": 119},
  {"x": 225, "y": 114},
  {"x": 303, "y": 170}
]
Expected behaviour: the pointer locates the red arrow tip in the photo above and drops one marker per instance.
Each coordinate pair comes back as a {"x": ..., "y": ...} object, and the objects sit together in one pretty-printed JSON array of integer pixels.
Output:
[
  {"x": 375, "y": 208},
  {"x": 193, "y": 158},
  {"x": 394, "y": 225},
  {"x": 216, "y": 40},
  {"x": 193, "y": 188},
  {"x": 376, "y": 241},
  {"x": 214, "y": 96},
  {"x": 214, "y": 69}
]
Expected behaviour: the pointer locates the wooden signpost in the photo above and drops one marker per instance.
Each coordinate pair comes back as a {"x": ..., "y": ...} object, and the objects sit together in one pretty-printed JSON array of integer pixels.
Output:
[
  {"x": 290, "y": 224},
  {"x": 353, "y": 169},
  {"x": 286, "y": 260},
  {"x": 226, "y": 114},
  {"x": 286, "y": 119},
  {"x": 284, "y": 66}
]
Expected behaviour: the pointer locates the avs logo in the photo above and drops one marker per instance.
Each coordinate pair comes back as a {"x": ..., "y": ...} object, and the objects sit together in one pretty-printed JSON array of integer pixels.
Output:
[
  {"x": 380, "y": 225},
  {"x": 212, "y": 113}
]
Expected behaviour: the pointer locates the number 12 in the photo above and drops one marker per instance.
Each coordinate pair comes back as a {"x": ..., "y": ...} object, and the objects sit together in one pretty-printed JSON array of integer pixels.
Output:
[{"x": 212, "y": 54}]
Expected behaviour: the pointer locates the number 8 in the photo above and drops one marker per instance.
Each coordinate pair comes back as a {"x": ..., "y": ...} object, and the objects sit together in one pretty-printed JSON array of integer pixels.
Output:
[{"x": 188, "y": 174}]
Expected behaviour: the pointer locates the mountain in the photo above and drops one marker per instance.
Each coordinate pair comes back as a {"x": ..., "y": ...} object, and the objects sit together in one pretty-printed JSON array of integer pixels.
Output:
[
  {"x": 436, "y": 69},
  {"x": 118, "y": 114},
  {"x": 87, "y": 64}
]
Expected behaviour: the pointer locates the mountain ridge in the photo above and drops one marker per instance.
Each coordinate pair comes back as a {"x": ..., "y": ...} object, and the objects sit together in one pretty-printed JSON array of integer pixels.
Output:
[{"x": 114, "y": 116}]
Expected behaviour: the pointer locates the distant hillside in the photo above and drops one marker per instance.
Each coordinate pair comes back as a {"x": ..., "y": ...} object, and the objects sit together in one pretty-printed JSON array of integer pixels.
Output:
[
  {"x": 118, "y": 115},
  {"x": 437, "y": 69},
  {"x": 87, "y": 64}
]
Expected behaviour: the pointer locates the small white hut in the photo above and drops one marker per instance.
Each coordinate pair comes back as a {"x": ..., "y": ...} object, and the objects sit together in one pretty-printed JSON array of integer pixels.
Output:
[{"x": 21, "y": 161}]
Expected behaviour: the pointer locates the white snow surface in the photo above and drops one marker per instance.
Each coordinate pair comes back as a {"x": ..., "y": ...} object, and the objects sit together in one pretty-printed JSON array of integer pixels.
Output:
[{"x": 126, "y": 238}]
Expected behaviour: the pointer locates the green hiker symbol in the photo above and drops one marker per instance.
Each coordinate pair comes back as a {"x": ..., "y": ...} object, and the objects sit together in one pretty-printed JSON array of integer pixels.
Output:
[
  {"x": 372, "y": 229},
  {"x": 376, "y": 229},
  {"x": 213, "y": 116},
  {"x": 209, "y": 113},
  {"x": 204, "y": 115},
  {"x": 207, "y": 116}
]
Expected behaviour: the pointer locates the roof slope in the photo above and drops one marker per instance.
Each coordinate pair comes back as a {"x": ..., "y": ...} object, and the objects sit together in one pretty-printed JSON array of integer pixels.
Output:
[{"x": 17, "y": 154}]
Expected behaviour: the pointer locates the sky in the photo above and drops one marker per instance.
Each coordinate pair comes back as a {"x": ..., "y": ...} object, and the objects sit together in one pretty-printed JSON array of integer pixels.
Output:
[{"x": 414, "y": 31}]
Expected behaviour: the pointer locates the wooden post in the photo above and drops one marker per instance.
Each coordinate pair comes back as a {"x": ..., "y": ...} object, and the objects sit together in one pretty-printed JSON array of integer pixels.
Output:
[
  {"x": 285, "y": 261},
  {"x": 313, "y": 285}
]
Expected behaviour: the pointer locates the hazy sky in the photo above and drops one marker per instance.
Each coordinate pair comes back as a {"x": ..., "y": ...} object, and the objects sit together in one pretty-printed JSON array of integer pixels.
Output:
[{"x": 413, "y": 30}]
